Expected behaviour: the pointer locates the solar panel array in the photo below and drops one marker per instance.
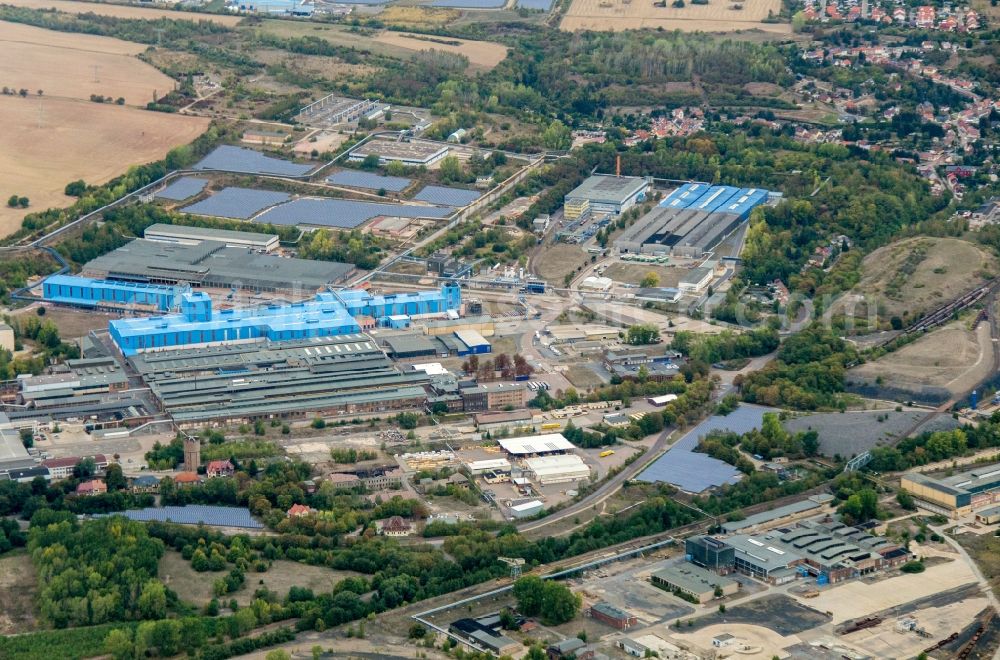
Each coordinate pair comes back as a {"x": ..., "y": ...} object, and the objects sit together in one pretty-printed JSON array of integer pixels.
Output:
[
  {"x": 343, "y": 213},
  {"x": 693, "y": 472},
  {"x": 470, "y": 4},
  {"x": 239, "y": 159},
  {"x": 183, "y": 188},
  {"x": 444, "y": 196},
  {"x": 356, "y": 179},
  {"x": 194, "y": 514},
  {"x": 240, "y": 203},
  {"x": 543, "y": 5}
]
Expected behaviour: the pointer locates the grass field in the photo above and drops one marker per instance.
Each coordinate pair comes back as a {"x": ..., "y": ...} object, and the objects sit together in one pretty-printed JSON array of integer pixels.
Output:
[
  {"x": 481, "y": 54},
  {"x": 17, "y": 593},
  {"x": 418, "y": 17},
  {"x": 76, "y": 65},
  {"x": 552, "y": 262},
  {"x": 915, "y": 275},
  {"x": 716, "y": 16},
  {"x": 627, "y": 273},
  {"x": 194, "y": 587},
  {"x": 41, "y": 152},
  {"x": 122, "y": 11}
]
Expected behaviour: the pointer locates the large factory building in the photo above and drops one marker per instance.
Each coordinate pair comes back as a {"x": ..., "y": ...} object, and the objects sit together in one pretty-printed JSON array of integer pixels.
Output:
[
  {"x": 691, "y": 221},
  {"x": 329, "y": 314}
]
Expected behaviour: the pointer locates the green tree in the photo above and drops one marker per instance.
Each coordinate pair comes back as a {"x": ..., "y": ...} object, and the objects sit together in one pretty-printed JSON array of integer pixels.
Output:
[
  {"x": 650, "y": 280},
  {"x": 557, "y": 136},
  {"x": 118, "y": 644},
  {"x": 451, "y": 170},
  {"x": 559, "y": 604},
  {"x": 529, "y": 593},
  {"x": 646, "y": 333},
  {"x": 113, "y": 477},
  {"x": 76, "y": 188},
  {"x": 153, "y": 600}
]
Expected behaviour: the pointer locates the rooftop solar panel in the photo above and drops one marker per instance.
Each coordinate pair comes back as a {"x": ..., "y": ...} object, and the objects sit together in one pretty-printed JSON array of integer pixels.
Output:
[
  {"x": 343, "y": 213},
  {"x": 694, "y": 472},
  {"x": 238, "y": 159},
  {"x": 241, "y": 203},
  {"x": 182, "y": 188},
  {"x": 194, "y": 514},
  {"x": 444, "y": 196},
  {"x": 367, "y": 180}
]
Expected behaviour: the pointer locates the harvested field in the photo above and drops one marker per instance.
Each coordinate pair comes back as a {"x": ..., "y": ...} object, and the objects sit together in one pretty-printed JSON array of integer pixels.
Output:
[
  {"x": 717, "y": 16},
  {"x": 194, "y": 587},
  {"x": 418, "y": 17},
  {"x": 913, "y": 276},
  {"x": 953, "y": 358},
  {"x": 627, "y": 273},
  {"x": 63, "y": 65},
  {"x": 40, "y": 154},
  {"x": 122, "y": 11},
  {"x": 18, "y": 586},
  {"x": 481, "y": 54}
]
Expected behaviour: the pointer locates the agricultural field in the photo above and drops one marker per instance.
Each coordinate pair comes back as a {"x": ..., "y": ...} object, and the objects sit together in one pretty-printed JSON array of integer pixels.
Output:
[
  {"x": 122, "y": 11},
  {"x": 952, "y": 358},
  {"x": 716, "y": 16},
  {"x": 62, "y": 64},
  {"x": 916, "y": 275},
  {"x": 482, "y": 55},
  {"x": 70, "y": 139}
]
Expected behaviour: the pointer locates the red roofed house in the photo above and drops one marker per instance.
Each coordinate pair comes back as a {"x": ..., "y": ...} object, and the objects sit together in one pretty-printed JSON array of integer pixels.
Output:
[
  {"x": 299, "y": 510},
  {"x": 187, "y": 479},
  {"x": 92, "y": 487},
  {"x": 220, "y": 469},
  {"x": 62, "y": 468},
  {"x": 394, "y": 526}
]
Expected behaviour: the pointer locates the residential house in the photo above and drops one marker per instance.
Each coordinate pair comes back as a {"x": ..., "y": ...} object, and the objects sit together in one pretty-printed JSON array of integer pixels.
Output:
[{"x": 220, "y": 469}]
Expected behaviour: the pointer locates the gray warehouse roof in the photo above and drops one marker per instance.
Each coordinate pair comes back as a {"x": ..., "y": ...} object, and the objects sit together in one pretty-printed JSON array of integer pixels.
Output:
[
  {"x": 608, "y": 189},
  {"x": 208, "y": 234},
  {"x": 211, "y": 263}
]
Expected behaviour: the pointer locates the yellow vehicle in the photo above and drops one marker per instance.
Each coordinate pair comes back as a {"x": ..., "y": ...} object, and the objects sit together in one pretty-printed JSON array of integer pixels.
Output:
[
  {"x": 605, "y": 454},
  {"x": 551, "y": 426}
]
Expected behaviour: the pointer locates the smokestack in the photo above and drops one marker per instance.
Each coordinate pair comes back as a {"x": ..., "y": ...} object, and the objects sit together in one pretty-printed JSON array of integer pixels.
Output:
[{"x": 618, "y": 165}]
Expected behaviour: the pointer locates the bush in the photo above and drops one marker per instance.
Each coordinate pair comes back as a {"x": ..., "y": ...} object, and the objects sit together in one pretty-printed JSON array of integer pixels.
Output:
[{"x": 915, "y": 566}]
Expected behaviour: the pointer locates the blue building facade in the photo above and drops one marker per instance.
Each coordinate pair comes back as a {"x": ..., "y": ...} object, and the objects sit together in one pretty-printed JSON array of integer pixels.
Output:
[
  {"x": 87, "y": 292},
  {"x": 326, "y": 315}
]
